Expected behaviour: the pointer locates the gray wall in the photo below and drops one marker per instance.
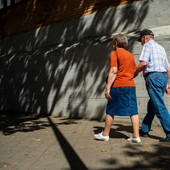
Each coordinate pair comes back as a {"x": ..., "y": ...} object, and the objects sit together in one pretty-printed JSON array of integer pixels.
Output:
[{"x": 61, "y": 69}]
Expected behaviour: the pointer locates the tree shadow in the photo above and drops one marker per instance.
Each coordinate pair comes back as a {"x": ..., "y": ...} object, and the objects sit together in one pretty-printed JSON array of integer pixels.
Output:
[
  {"x": 114, "y": 133},
  {"x": 117, "y": 131},
  {"x": 158, "y": 158},
  {"x": 73, "y": 159},
  {"x": 61, "y": 69},
  {"x": 12, "y": 122},
  {"x": 63, "y": 11}
]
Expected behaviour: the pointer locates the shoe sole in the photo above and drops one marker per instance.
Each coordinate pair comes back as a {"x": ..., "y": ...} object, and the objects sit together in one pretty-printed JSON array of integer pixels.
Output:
[
  {"x": 101, "y": 139},
  {"x": 134, "y": 141}
]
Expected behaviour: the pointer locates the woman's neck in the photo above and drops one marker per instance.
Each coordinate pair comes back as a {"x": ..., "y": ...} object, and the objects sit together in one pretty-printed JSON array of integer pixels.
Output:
[{"x": 119, "y": 48}]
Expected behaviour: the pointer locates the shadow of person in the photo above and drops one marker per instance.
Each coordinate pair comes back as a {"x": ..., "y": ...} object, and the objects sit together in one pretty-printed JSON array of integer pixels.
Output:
[{"x": 114, "y": 133}]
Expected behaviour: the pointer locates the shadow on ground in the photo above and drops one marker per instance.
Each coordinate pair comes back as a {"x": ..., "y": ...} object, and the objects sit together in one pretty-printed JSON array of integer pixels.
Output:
[
  {"x": 12, "y": 122},
  {"x": 156, "y": 156}
]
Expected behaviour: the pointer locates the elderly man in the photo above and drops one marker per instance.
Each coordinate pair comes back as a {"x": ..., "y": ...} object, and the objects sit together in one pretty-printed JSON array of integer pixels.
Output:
[{"x": 156, "y": 69}]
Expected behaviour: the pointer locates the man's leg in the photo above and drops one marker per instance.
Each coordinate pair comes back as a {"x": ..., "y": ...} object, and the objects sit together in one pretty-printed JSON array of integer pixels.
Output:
[
  {"x": 147, "y": 121},
  {"x": 108, "y": 123},
  {"x": 157, "y": 85},
  {"x": 135, "y": 125}
]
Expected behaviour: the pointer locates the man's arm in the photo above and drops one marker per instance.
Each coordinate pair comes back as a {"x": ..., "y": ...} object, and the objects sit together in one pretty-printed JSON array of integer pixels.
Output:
[
  {"x": 112, "y": 75},
  {"x": 142, "y": 65},
  {"x": 168, "y": 85}
]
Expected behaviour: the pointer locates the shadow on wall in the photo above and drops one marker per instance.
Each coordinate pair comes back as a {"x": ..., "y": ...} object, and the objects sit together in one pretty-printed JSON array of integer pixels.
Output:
[
  {"x": 39, "y": 75},
  {"x": 36, "y": 14}
]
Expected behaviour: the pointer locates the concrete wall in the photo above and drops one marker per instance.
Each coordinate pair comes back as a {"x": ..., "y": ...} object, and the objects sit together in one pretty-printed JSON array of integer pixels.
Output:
[{"x": 60, "y": 69}]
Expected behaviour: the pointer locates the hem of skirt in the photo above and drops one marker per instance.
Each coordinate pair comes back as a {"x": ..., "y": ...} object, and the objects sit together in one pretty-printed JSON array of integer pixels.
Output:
[{"x": 116, "y": 114}]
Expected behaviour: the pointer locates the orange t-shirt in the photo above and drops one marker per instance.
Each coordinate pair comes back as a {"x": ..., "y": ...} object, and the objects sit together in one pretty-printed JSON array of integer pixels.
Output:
[{"x": 127, "y": 66}]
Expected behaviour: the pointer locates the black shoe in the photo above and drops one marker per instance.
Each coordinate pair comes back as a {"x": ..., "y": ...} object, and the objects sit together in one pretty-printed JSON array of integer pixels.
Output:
[
  {"x": 144, "y": 134},
  {"x": 167, "y": 139}
]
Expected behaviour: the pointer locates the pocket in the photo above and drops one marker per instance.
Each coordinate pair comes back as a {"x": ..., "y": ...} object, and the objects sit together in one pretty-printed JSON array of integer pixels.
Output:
[{"x": 122, "y": 90}]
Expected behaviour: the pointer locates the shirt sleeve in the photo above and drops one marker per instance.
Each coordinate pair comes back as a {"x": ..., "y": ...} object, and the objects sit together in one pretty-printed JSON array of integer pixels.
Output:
[
  {"x": 166, "y": 63},
  {"x": 113, "y": 59},
  {"x": 145, "y": 54},
  {"x": 135, "y": 65}
]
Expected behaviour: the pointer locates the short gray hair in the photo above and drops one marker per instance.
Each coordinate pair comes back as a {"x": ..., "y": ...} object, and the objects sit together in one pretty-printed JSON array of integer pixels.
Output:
[
  {"x": 150, "y": 36},
  {"x": 121, "y": 40}
]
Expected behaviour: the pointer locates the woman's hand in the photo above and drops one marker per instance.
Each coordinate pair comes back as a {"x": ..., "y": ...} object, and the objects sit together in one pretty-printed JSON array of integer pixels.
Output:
[{"x": 107, "y": 93}]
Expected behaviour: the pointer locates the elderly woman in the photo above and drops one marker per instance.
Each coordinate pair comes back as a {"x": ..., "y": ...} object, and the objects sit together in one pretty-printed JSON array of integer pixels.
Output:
[{"x": 120, "y": 89}]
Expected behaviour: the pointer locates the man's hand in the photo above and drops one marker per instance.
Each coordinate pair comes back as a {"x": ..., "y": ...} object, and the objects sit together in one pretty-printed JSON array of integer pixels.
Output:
[
  {"x": 168, "y": 89},
  {"x": 107, "y": 94}
]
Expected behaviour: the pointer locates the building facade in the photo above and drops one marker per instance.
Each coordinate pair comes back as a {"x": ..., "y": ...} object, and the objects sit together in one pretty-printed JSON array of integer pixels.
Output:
[{"x": 54, "y": 56}]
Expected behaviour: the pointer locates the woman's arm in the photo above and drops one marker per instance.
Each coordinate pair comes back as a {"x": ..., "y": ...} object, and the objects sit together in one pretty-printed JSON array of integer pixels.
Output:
[
  {"x": 142, "y": 65},
  {"x": 111, "y": 78}
]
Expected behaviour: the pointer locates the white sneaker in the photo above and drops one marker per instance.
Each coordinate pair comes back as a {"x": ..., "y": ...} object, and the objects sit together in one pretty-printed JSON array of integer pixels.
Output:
[
  {"x": 134, "y": 140},
  {"x": 99, "y": 136}
]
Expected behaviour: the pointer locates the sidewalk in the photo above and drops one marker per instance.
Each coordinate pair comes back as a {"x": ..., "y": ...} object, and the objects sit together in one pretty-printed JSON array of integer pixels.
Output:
[{"x": 58, "y": 143}]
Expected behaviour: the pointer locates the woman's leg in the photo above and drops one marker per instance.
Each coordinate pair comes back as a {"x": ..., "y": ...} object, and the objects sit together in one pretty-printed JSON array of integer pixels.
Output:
[
  {"x": 108, "y": 123},
  {"x": 135, "y": 125}
]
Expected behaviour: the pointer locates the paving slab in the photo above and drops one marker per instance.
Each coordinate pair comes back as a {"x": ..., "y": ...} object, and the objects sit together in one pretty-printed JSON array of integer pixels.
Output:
[{"x": 49, "y": 142}]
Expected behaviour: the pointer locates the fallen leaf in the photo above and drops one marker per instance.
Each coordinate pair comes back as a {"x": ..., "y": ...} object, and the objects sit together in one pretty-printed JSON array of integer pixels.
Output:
[
  {"x": 46, "y": 131},
  {"x": 50, "y": 161},
  {"x": 42, "y": 158},
  {"x": 37, "y": 140},
  {"x": 21, "y": 142},
  {"x": 143, "y": 150},
  {"x": 104, "y": 150},
  {"x": 146, "y": 146},
  {"x": 74, "y": 131},
  {"x": 1, "y": 140}
]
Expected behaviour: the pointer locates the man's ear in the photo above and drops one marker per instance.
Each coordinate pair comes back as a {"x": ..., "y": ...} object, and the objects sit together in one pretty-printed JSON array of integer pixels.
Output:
[{"x": 145, "y": 38}]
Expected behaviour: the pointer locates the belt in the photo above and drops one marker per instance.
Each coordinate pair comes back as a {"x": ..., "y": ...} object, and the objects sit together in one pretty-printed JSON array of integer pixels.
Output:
[{"x": 147, "y": 74}]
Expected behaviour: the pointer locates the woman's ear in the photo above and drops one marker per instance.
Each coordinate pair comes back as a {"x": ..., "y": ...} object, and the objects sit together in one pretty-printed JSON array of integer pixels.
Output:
[{"x": 115, "y": 45}]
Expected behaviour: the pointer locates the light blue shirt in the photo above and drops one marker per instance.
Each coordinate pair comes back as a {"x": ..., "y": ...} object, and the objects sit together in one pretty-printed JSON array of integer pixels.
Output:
[{"x": 155, "y": 55}]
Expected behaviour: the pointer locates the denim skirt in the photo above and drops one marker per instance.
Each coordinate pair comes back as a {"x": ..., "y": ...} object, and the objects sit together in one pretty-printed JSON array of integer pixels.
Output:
[{"x": 123, "y": 102}]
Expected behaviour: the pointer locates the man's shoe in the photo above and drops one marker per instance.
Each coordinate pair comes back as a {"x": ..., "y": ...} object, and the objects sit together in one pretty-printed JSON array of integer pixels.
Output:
[
  {"x": 134, "y": 140},
  {"x": 99, "y": 136},
  {"x": 144, "y": 134},
  {"x": 167, "y": 139}
]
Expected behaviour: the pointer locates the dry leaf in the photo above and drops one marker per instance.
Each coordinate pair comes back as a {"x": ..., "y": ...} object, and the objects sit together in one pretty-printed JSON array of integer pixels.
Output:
[
  {"x": 74, "y": 131},
  {"x": 104, "y": 150},
  {"x": 146, "y": 146},
  {"x": 143, "y": 150},
  {"x": 1, "y": 140}
]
